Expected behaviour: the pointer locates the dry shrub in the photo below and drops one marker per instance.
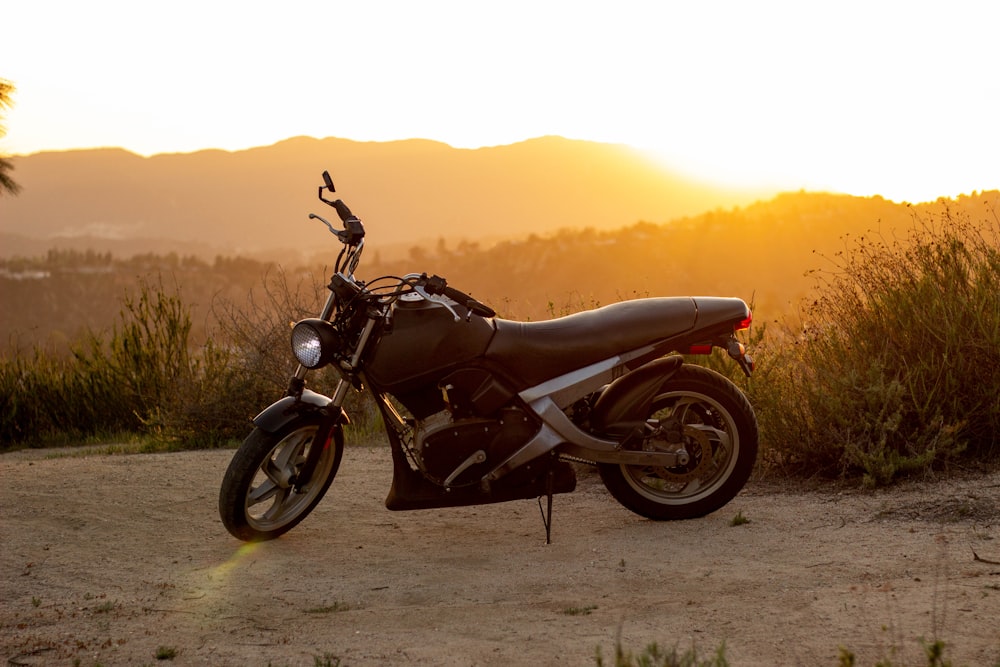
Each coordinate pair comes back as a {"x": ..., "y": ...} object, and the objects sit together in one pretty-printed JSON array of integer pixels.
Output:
[{"x": 896, "y": 365}]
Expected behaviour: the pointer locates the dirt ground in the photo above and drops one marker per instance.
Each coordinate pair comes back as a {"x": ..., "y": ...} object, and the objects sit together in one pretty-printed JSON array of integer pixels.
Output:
[{"x": 106, "y": 559}]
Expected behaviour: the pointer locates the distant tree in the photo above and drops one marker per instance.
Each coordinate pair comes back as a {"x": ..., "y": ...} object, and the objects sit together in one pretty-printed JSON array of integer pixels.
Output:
[{"x": 7, "y": 184}]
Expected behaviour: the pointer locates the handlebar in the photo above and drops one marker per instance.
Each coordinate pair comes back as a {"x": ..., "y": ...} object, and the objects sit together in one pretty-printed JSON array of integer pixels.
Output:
[
  {"x": 352, "y": 236},
  {"x": 354, "y": 230},
  {"x": 438, "y": 285}
]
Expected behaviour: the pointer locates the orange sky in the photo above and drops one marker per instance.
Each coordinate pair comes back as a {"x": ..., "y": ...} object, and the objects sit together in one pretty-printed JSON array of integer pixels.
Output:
[{"x": 891, "y": 98}]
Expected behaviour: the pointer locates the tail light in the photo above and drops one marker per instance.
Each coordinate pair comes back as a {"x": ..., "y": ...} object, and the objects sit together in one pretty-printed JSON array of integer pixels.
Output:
[{"x": 742, "y": 325}]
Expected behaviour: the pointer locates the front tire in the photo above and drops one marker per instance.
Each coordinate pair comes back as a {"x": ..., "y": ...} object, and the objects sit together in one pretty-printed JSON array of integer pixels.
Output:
[
  {"x": 708, "y": 417},
  {"x": 258, "y": 500}
]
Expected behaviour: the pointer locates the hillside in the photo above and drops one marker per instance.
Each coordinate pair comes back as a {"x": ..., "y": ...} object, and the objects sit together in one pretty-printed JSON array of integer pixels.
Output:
[
  {"x": 255, "y": 202},
  {"x": 763, "y": 252}
]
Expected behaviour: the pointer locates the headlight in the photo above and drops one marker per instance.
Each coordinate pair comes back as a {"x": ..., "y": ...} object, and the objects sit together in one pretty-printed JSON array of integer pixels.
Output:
[{"x": 314, "y": 342}]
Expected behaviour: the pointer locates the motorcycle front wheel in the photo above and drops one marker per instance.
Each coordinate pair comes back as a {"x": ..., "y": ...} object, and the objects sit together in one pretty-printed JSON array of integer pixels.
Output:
[
  {"x": 707, "y": 418},
  {"x": 258, "y": 500}
]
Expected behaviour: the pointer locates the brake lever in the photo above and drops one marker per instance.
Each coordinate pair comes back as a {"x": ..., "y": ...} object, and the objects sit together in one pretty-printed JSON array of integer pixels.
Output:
[
  {"x": 333, "y": 231},
  {"x": 419, "y": 289}
]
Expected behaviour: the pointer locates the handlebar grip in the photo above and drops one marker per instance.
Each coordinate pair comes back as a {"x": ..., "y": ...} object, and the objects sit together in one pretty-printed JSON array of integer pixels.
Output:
[
  {"x": 476, "y": 307},
  {"x": 342, "y": 210}
]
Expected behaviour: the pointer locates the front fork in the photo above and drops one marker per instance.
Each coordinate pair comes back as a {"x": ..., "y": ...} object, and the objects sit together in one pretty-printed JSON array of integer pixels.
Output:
[
  {"x": 333, "y": 411},
  {"x": 334, "y": 418}
]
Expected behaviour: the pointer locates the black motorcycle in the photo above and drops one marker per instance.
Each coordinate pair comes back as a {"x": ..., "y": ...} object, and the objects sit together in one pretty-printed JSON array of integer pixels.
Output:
[{"x": 479, "y": 409}]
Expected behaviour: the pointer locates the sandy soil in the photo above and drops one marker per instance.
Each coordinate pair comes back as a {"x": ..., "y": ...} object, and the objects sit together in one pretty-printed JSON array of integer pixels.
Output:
[{"x": 107, "y": 558}]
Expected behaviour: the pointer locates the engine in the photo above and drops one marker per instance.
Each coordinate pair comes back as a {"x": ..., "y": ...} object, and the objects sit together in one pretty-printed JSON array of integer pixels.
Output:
[{"x": 460, "y": 452}]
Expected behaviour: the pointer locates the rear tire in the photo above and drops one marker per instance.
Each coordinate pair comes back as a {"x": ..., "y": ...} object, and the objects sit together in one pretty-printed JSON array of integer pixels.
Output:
[
  {"x": 718, "y": 433},
  {"x": 258, "y": 500}
]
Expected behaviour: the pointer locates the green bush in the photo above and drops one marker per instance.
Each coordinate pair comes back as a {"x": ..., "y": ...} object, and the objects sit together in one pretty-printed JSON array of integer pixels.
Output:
[
  {"x": 142, "y": 377},
  {"x": 146, "y": 377},
  {"x": 897, "y": 364}
]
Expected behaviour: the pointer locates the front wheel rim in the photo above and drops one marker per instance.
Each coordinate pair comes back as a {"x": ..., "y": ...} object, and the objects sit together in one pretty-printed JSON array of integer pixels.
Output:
[{"x": 271, "y": 499}]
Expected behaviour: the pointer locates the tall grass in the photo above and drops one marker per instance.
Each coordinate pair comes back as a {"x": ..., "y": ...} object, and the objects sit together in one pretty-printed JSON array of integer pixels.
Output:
[
  {"x": 656, "y": 656},
  {"x": 896, "y": 365}
]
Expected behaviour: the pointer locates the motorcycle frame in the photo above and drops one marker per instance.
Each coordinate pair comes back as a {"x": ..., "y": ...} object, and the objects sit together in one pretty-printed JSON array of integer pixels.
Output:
[{"x": 645, "y": 367}]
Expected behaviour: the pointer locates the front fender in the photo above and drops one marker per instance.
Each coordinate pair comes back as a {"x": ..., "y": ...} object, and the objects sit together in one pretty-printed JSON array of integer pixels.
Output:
[
  {"x": 627, "y": 399},
  {"x": 279, "y": 413}
]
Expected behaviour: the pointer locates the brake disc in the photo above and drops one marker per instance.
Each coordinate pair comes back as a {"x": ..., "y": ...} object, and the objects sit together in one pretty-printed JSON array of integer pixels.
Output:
[{"x": 699, "y": 449}]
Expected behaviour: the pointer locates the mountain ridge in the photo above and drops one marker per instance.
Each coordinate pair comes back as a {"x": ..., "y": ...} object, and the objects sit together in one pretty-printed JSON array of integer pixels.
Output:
[{"x": 409, "y": 192}]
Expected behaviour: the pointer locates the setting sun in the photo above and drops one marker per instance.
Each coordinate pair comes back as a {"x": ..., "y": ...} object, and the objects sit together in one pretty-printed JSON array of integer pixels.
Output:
[{"x": 891, "y": 98}]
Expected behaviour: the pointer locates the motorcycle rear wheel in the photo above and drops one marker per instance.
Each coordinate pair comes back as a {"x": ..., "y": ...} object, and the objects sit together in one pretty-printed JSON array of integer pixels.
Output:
[
  {"x": 719, "y": 435},
  {"x": 258, "y": 500}
]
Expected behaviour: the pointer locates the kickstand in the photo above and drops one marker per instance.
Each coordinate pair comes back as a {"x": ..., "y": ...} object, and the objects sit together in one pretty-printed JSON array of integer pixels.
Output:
[{"x": 547, "y": 516}]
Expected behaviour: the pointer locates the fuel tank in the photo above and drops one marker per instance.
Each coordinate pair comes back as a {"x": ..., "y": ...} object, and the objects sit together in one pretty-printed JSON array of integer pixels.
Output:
[{"x": 422, "y": 344}]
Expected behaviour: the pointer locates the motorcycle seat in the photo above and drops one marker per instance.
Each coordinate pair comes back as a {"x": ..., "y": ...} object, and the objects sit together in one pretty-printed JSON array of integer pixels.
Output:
[{"x": 534, "y": 352}]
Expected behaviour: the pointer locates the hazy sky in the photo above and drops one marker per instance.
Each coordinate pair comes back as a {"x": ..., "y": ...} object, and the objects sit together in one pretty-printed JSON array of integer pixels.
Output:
[{"x": 900, "y": 99}]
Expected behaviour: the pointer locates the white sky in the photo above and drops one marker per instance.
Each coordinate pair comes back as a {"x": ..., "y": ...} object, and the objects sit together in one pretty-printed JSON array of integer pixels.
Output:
[{"x": 900, "y": 99}]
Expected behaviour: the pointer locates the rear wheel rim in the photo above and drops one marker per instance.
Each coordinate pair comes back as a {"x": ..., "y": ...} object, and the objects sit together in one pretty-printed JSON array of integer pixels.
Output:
[{"x": 711, "y": 439}]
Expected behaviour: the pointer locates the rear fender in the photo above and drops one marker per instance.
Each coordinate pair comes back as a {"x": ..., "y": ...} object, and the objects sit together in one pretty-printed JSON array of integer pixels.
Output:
[{"x": 626, "y": 400}]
